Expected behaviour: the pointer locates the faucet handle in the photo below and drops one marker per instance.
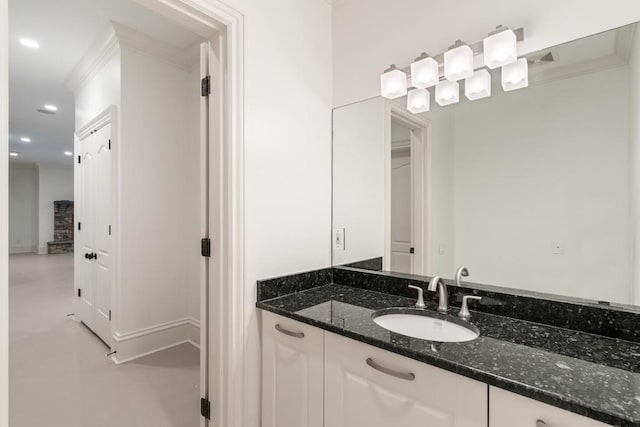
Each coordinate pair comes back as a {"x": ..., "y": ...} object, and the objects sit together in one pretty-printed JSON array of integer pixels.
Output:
[
  {"x": 464, "y": 310},
  {"x": 420, "y": 302}
]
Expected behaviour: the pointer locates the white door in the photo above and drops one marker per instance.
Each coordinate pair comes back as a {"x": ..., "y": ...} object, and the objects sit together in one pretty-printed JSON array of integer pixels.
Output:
[
  {"x": 368, "y": 386},
  {"x": 292, "y": 366},
  {"x": 401, "y": 223},
  {"x": 94, "y": 256}
]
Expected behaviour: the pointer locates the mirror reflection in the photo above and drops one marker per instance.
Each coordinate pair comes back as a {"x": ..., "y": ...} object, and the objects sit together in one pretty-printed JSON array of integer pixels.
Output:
[{"x": 535, "y": 189}]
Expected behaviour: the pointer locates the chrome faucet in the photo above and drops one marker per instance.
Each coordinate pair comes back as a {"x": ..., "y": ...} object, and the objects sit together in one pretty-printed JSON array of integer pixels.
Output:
[
  {"x": 460, "y": 273},
  {"x": 437, "y": 284}
]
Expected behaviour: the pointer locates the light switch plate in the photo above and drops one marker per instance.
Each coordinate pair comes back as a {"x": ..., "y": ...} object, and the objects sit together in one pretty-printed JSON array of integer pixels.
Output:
[{"x": 338, "y": 239}]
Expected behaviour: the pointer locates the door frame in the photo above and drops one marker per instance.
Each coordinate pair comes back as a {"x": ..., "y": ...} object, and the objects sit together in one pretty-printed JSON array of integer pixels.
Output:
[
  {"x": 224, "y": 385},
  {"x": 421, "y": 194},
  {"x": 108, "y": 116}
]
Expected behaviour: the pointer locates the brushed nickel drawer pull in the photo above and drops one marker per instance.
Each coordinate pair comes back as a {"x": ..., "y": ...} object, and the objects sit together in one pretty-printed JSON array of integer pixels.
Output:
[
  {"x": 541, "y": 423},
  {"x": 288, "y": 332},
  {"x": 409, "y": 376}
]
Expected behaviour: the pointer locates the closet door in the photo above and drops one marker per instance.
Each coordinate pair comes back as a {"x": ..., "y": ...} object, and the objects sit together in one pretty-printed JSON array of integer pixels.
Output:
[{"x": 93, "y": 239}]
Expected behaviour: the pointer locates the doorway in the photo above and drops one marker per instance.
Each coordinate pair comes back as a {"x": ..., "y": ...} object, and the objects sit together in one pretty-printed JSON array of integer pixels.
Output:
[
  {"x": 407, "y": 193},
  {"x": 117, "y": 242}
]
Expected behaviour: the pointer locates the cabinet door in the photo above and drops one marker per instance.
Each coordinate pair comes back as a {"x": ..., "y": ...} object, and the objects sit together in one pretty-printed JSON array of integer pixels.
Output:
[
  {"x": 367, "y": 386},
  {"x": 508, "y": 409},
  {"x": 293, "y": 371}
]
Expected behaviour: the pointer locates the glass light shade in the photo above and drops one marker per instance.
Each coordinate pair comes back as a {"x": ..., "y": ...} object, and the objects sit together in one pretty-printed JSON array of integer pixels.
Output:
[
  {"x": 418, "y": 101},
  {"x": 478, "y": 86},
  {"x": 515, "y": 75},
  {"x": 447, "y": 92},
  {"x": 458, "y": 63},
  {"x": 393, "y": 84},
  {"x": 500, "y": 49},
  {"x": 424, "y": 73}
]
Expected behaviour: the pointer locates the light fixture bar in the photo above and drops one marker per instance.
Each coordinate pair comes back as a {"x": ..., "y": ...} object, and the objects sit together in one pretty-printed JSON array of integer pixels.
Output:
[{"x": 476, "y": 47}]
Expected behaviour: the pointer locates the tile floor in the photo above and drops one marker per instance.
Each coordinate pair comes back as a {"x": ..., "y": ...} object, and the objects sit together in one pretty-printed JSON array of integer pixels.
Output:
[{"x": 59, "y": 375}]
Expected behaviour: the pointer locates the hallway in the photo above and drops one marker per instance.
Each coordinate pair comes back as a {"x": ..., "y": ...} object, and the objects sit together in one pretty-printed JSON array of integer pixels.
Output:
[{"x": 59, "y": 375}]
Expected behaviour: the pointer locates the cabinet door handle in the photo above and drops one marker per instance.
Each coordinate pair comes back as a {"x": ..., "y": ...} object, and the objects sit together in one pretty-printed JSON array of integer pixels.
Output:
[
  {"x": 288, "y": 332},
  {"x": 409, "y": 376},
  {"x": 541, "y": 423}
]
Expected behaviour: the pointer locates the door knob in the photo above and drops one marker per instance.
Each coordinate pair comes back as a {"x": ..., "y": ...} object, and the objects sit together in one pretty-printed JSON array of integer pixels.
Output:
[{"x": 91, "y": 256}]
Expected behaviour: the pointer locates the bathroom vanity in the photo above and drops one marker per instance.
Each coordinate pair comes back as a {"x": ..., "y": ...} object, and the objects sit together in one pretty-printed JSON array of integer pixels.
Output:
[{"x": 327, "y": 363}]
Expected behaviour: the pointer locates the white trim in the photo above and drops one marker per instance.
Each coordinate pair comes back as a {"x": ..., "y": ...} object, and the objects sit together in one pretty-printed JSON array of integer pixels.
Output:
[
  {"x": 15, "y": 250},
  {"x": 118, "y": 337},
  {"x": 98, "y": 54},
  {"x": 117, "y": 361},
  {"x": 135, "y": 344},
  {"x": 4, "y": 213}
]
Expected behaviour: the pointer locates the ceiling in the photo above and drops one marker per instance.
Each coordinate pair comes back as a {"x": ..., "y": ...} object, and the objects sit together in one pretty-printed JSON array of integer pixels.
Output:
[{"x": 64, "y": 29}]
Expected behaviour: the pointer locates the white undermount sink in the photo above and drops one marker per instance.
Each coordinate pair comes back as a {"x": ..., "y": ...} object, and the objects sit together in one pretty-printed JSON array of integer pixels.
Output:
[{"x": 425, "y": 325}]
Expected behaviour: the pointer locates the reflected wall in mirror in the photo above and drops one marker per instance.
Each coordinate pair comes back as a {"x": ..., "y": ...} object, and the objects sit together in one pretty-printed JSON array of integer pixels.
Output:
[{"x": 535, "y": 189}]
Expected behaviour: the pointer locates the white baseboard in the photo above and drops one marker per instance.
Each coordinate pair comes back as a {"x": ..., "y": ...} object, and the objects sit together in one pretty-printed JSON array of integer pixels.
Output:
[
  {"x": 43, "y": 250},
  {"x": 143, "y": 342},
  {"x": 21, "y": 250}
]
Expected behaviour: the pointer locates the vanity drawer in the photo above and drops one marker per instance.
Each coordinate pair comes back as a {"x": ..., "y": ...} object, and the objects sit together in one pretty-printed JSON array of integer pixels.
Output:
[
  {"x": 368, "y": 386},
  {"x": 508, "y": 409}
]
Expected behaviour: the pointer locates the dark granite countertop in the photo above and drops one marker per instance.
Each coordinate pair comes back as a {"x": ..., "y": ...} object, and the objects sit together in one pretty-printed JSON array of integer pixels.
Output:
[{"x": 591, "y": 375}]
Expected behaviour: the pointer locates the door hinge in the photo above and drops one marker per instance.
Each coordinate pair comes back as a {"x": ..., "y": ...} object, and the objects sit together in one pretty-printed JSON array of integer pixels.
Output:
[
  {"x": 109, "y": 230},
  {"x": 79, "y": 225},
  {"x": 205, "y": 408},
  {"x": 412, "y": 250},
  {"x": 78, "y": 159},
  {"x": 205, "y": 247},
  {"x": 109, "y": 144},
  {"x": 79, "y": 292},
  {"x": 205, "y": 86},
  {"x": 109, "y": 314}
]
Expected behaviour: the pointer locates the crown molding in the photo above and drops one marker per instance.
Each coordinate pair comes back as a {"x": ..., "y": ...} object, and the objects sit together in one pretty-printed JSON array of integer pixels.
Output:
[
  {"x": 98, "y": 54},
  {"x": 184, "y": 58}
]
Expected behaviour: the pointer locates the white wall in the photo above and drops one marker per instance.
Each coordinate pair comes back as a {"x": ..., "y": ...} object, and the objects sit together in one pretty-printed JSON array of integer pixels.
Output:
[
  {"x": 55, "y": 182},
  {"x": 99, "y": 93},
  {"x": 360, "y": 133},
  {"x": 159, "y": 193},
  {"x": 23, "y": 208},
  {"x": 287, "y": 99},
  {"x": 543, "y": 165},
  {"x": 634, "y": 161},
  {"x": 368, "y": 35}
]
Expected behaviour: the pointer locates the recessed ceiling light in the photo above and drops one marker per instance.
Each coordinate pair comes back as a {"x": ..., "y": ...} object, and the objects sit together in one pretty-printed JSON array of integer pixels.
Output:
[
  {"x": 51, "y": 107},
  {"x": 68, "y": 153},
  {"x": 13, "y": 153},
  {"x": 25, "y": 139},
  {"x": 29, "y": 43}
]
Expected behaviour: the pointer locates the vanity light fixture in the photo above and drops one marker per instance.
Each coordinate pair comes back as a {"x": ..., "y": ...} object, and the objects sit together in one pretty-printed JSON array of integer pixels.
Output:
[
  {"x": 478, "y": 86},
  {"x": 418, "y": 101},
  {"x": 447, "y": 93},
  {"x": 393, "y": 83},
  {"x": 424, "y": 72},
  {"x": 515, "y": 75},
  {"x": 500, "y": 48},
  {"x": 458, "y": 62}
]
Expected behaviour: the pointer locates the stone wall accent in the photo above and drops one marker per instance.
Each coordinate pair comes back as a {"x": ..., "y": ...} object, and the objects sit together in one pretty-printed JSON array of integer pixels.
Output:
[{"x": 62, "y": 228}]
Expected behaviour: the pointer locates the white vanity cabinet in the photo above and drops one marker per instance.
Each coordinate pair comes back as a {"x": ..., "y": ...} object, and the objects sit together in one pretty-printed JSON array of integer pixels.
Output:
[
  {"x": 293, "y": 373},
  {"x": 368, "y": 386},
  {"x": 508, "y": 409}
]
